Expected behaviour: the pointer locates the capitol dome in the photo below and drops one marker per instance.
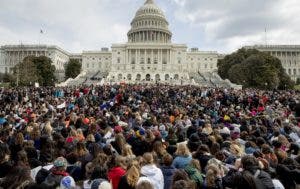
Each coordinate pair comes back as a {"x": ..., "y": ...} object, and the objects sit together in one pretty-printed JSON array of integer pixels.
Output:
[{"x": 149, "y": 25}]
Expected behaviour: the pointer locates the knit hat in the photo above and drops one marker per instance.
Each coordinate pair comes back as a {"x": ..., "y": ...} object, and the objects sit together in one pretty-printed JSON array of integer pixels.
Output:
[
  {"x": 140, "y": 132},
  {"x": 60, "y": 162},
  {"x": 67, "y": 183},
  {"x": 96, "y": 183}
]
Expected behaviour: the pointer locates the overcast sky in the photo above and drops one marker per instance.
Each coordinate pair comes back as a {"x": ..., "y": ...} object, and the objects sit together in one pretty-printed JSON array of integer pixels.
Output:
[{"x": 220, "y": 25}]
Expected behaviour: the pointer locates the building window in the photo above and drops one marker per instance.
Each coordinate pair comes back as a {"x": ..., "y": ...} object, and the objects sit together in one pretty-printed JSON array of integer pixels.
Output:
[
  {"x": 129, "y": 77},
  {"x": 133, "y": 67},
  {"x": 148, "y": 68},
  {"x": 179, "y": 60},
  {"x": 155, "y": 60},
  {"x": 164, "y": 60},
  {"x": 118, "y": 52},
  {"x": 149, "y": 60},
  {"x": 294, "y": 71},
  {"x": 87, "y": 65},
  {"x": 119, "y": 60},
  {"x": 142, "y": 60},
  {"x": 290, "y": 72},
  {"x": 205, "y": 66},
  {"x": 205, "y": 58},
  {"x": 167, "y": 77}
]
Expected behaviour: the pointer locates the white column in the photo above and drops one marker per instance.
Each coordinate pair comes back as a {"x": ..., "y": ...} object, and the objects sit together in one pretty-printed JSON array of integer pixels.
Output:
[
  {"x": 129, "y": 56},
  {"x": 136, "y": 56},
  {"x": 152, "y": 61}
]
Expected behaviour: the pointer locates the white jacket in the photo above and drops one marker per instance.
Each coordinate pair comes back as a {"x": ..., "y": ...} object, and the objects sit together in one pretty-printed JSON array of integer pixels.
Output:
[{"x": 154, "y": 174}]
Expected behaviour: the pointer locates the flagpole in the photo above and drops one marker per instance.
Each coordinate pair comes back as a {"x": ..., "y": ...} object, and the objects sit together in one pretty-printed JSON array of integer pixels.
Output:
[{"x": 266, "y": 43}]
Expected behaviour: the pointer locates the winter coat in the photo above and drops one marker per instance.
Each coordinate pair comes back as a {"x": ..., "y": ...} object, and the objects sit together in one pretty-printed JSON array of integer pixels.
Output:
[
  {"x": 289, "y": 178},
  {"x": 235, "y": 179},
  {"x": 194, "y": 174},
  {"x": 180, "y": 162},
  {"x": 154, "y": 174},
  {"x": 168, "y": 172},
  {"x": 114, "y": 175}
]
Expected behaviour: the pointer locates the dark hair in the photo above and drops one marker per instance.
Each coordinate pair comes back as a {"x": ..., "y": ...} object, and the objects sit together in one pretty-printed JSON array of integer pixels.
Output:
[
  {"x": 180, "y": 184},
  {"x": 4, "y": 150},
  {"x": 99, "y": 172},
  {"x": 17, "y": 177},
  {"x": 167, "y": 160},
  {"x": 180, "y": 174},
  {"x": 249, "y": 162}
]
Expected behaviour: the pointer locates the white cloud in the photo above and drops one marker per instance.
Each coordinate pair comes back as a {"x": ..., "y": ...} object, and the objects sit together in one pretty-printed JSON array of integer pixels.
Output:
[{"x": 77, "y": 25}]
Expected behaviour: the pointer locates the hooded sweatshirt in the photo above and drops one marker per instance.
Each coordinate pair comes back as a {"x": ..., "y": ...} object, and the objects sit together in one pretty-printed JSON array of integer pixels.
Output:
[
  {"x": 114, "y": 175},
  {"x": 154, "y": 174}
]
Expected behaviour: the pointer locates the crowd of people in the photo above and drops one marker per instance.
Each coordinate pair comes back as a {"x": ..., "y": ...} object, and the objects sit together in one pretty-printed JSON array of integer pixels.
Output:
[{"x": 149, "y": 137}]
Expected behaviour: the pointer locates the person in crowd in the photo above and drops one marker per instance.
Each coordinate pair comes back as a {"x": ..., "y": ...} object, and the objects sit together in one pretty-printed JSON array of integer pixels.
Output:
[
  {"x": 116, "y": 171},
  {"x": 183, "y": 156},
  {"x": 237, "y": 138},
  {"x": 152, "y": 172},
  {"x": 168, "y": 170},
  {"x": 130, "y": 179},
  {"x": 58, "y": 171}
]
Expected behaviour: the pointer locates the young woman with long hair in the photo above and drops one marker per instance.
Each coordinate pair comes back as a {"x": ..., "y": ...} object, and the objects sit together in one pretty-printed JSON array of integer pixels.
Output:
[
  {"x": 183, "y": 156},
  {"x": 130, "y": 179}
]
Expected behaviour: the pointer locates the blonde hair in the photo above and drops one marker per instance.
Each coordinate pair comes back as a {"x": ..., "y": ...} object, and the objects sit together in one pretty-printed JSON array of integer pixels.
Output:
[
  {"x": 19, "y": 139},
  {"x": 73, "y": 133},
  {"x": 126, "y": 151},
  {"x": 182, "y": 150},
  {"x": 90, "y": 138},
  {"x": 211, "y": 174},
  {"x": 236, "y": 150},
  {"x": 148, "y": 158},
  {"x": 133, "y": 174},
  {"x": 48, "y": 128},
  {"x": 81, "y": 149},
  {"x": 35, "y": 133},
  {"x": 195, "y": 163}
]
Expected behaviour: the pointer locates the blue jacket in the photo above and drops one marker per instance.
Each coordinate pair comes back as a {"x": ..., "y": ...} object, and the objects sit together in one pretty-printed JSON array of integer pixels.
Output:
[
  {"x": 180, "y": 162},
  {"x": 168, "y": 172}
]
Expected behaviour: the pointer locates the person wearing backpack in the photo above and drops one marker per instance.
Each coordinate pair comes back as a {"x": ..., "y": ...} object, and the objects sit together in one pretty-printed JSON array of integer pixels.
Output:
[{"x": 251, "y": 177}]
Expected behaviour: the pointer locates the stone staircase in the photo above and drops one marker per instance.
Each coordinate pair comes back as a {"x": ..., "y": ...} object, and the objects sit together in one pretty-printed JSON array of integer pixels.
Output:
[{"x": 212, "y": 79}]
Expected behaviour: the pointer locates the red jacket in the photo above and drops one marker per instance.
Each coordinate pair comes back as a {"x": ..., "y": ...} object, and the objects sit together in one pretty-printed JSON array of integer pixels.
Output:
[{"x": 114, "y": 175}]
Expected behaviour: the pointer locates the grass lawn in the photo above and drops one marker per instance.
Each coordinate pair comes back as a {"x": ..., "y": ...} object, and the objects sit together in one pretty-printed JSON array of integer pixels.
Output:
[
  {"x": 4, "y": 84},
  {"x": 297, "y": 87}
]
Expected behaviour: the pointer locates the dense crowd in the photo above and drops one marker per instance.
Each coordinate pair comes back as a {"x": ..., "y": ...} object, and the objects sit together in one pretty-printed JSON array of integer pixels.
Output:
[{"x": 149, "y": 137}]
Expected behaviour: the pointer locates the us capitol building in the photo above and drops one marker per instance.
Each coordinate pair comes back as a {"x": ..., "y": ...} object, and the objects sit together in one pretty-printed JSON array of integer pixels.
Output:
[{"x": 148, "y": 56}]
